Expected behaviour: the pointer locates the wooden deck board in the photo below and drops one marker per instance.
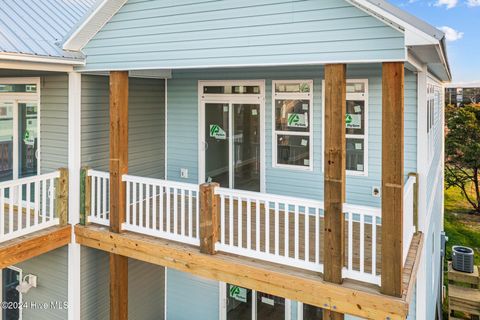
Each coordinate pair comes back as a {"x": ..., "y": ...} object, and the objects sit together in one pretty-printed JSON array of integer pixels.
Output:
[
  {"x": 23, "y": 218},
  {"x": 33, "y": 244}
]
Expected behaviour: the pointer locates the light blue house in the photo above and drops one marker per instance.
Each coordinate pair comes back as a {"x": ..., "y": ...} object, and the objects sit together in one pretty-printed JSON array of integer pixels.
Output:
[{"x": 280, "y": 107}]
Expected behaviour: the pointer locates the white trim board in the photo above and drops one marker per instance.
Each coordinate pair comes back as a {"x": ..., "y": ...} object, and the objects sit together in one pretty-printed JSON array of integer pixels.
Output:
[{"x": 93, "y": 23}]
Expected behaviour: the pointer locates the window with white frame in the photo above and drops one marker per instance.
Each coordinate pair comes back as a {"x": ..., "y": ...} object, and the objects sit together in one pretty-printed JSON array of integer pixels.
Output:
[
  {"x": 433, "y": 104},
  {"x": 292, "y": 124},
  {"x": 356, "y": 126}
]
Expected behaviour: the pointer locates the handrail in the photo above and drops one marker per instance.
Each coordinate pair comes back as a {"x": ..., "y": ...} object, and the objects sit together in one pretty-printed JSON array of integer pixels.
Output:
[
  {"x": 268, "y": 197},
  {"x": 160, "y": 182},
  {"x": 16, "y": 182},
  {"x": 96, "y": 173}
]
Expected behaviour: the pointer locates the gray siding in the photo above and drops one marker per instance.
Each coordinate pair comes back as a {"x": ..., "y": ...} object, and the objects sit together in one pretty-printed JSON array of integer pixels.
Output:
[
  {"x": 146, "y": 125},
  {"x": 190, "y": 297},
  {"x": 183, "y": 129},
  {"x": 146, "y": 287},
  {"x": 51, "y": 270},
  {"x": 53, "y": 122},
  {"x": 94, "y": 285},
  {"x": 191, "y": 33},
  {"x": 146, "y": 291}
]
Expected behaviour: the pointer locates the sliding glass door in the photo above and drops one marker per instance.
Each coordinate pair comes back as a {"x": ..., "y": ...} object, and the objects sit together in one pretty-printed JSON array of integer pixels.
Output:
[
  {"x": 6, "y": 140},
  {"x": 232, "y": 144},
  {"x": 246, "y": 304},
  {"x": 19, "y": 139}
]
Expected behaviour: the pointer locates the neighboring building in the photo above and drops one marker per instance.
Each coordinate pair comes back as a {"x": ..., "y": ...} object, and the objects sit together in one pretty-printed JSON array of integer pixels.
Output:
[
  {"x": 460, "y": 95},
  {"x": 317, "y": 126}
]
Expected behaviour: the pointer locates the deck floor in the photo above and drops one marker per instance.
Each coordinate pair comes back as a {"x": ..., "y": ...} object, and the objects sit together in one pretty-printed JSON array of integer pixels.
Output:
[{"x": 22, "y": 218}]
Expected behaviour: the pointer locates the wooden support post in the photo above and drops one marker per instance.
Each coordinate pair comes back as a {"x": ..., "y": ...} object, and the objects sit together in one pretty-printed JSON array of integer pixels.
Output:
[
  {"x": 209, "y": 218},
  {"x": 392, "y": 177},
  {"x": 118, "y": 147},
  {"x": 334, "y": 182},
  {"x": 85, "y": 195},
  {"x": 415, "y": 200},
  {"x": 118, "y": 167},
  {"x": 61, "y": 196}
]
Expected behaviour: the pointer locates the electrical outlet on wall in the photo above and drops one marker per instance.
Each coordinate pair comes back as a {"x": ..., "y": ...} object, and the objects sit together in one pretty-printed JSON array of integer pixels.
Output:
[
  {"x": 376, "y": 192},
  {"x": 184, "y": 173}
]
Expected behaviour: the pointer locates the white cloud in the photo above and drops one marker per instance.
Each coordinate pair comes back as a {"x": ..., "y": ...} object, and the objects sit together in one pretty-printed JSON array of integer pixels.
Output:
[
  {"x": 448, "y": 3},
  {"x": 473, "y": 3},
  {"x": 451, "y": 34}
]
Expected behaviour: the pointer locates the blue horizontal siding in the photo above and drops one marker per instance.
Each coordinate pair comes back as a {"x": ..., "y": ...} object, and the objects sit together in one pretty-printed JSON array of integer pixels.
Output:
[
  {"x": 166, "y": 34},
  {"x": 190, "y": 297},
  {"x": 183, "y": 115}
]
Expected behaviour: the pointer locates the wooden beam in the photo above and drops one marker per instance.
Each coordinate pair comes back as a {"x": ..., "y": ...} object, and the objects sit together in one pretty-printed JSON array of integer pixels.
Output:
[
  {"x": 34, "y": 244},
  {"x": 334, "y": 182},
  {"x": 118, "y": 167},
  {"x": 351, "y": 297},
  {"x": 411, "y": 266},
  {"x": 118, "y": 146},
  {"x": 209, "y": 216},
  {"x": 118, "y": 287},
  {"x": 392, "y": 177},
  {"x": 61, "y": 196}
]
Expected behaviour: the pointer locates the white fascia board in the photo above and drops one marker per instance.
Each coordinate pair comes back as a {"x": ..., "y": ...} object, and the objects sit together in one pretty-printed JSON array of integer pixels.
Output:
[
  {"x": 413, "y": 35},
  {"x": 39, "y": 59},
  {"x": 35, "y": 66},
  {"x": 92, "y": 24}
]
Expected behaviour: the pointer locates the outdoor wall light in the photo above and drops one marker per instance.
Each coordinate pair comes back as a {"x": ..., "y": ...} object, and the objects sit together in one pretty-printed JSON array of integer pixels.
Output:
[{"x": 28, "y": 282}]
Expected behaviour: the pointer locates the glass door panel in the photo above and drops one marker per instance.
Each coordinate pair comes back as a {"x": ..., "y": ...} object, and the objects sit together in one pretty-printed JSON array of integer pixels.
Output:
[
  {"x": 6, "y": 141},
  {"x": 239, "y": 303},
  {"x": 28, "y": 139},
  {"x": 10, "y": 281},
  {"x": 246, "y": 147},
  {"x": 217, "y": 143},
  {"x": 270, "y": 307},
  {"x": 311, "y": 312}
]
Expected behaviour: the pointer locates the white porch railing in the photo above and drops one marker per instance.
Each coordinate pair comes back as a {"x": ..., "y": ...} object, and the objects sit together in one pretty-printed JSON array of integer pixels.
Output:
[
  {"x": 363, "y": 227},
  {"x": 27, "y": 205},
  {"x": 274, "y": 228},
  {"x": 100, "y": 197},
  {"x": 408, "y": 214},
  {"x": 278, "y": 229},
  {"x": 162, "y": 208}
]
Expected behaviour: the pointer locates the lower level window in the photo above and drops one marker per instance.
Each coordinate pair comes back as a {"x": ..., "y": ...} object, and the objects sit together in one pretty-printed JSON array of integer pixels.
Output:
[
  {"x": 247, "y": 304},
  {"x": 308, "y": 312}
]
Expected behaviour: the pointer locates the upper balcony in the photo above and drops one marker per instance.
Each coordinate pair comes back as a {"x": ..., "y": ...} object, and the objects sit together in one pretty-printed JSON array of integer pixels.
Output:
[
  {"x": 33, "y": 216},
  {"x": 286, "y": 232}
]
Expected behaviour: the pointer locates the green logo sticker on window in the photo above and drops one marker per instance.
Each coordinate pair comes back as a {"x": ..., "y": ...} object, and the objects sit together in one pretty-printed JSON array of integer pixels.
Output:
[
  {"x": 238, "y": 293},
  {"x": 217, "y": 132},
  {"x": 297, "y": 120},
  {"x": 353, "y": 121}
]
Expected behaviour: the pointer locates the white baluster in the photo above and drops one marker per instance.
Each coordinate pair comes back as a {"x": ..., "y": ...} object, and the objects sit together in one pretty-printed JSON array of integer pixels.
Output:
[{"x": 249, "y": 224}]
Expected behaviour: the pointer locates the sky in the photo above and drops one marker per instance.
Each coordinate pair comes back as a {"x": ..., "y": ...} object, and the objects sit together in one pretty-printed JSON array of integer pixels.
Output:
[{"x": 460, "y": 20}]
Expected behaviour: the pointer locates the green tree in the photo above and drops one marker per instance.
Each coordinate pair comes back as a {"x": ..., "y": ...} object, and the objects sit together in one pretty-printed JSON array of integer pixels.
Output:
[{"x": 462, "y": 152}]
